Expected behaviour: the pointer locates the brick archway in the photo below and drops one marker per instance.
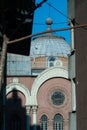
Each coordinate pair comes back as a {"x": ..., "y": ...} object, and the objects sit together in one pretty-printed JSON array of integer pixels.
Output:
[
  {"x": 20, "y": 87},
  {"x": 45, "y": 75}
]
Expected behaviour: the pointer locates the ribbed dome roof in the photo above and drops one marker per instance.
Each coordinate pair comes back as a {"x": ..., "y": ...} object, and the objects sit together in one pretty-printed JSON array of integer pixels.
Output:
[{"x": 49, "y": 45}]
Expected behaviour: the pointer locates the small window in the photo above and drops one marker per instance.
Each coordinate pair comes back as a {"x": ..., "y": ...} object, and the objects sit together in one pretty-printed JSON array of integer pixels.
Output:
[
  {"x": 36, "y": 71},
  {"x": 58, "y": 122},
  {"x": 43, "y": 121},
  {"x": 51, "y": 61}
]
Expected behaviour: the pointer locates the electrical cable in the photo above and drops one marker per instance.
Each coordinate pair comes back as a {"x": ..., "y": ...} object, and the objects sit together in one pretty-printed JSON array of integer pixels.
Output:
[
  {"x": 48, "y": 31},
  {"x": 34, "y": 8},
  {"x": 58, "y": 11},
  {"x": 53, "y": 23},
  {"x": 73, "y": 20}
]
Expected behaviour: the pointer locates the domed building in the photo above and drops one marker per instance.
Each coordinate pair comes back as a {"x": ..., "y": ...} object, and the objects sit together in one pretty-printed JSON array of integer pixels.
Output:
[
  {"x": 48, "y": 50},
  {"x": 38, "y": 89}
]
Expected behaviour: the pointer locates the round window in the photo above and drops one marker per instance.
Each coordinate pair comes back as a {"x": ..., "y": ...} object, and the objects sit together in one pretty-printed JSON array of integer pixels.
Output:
[{"x": 57, "y": 98}]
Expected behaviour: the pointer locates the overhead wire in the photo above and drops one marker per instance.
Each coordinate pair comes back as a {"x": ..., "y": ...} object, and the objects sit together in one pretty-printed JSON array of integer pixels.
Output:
[
  {"x": 58, "y": 10},
  {"x": 50, "y": 14},
  {"x": 61, "y": 12},
  {"x": 53, "y": 23},
  {"x": 48, "y": 31},
  {"x": 34, "y": 8},
  {"x": 62, "y": 29},
  {"x": 73, "y": 20}
]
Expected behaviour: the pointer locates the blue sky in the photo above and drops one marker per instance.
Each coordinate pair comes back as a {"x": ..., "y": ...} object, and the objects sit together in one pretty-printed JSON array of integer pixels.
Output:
[{"x": 59, "y": 20}]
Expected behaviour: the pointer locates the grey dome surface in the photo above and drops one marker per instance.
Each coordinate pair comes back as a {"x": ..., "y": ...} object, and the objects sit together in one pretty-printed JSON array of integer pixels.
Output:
[{"x": 49, "y": 45}]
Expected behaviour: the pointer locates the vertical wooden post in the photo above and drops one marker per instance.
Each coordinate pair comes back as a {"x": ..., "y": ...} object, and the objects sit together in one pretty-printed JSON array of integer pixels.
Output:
[
  {"x": 2, "y": 67},
  {"x": 3, "y": 58}
]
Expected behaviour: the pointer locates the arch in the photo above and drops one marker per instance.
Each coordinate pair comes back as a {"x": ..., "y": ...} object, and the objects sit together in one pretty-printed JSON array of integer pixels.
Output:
[
  {"x": 20, "y": 87},
  {"x": 58, "y": 122},
  {"x": 45, "y": 75},
  {"x": 58, "y": 117},
  {"x": 44, "y": 117},
  {"x": 44, "y": 122}
]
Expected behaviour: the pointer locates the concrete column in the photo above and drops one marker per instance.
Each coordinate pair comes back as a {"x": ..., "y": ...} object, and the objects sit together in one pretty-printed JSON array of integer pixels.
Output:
[
  {"x": 72, "y": 37},
  {"x": 73, "y": 92},
  {"x": 72, "y": 121},
  {"x": 27, "y": 117},
  {"x": 34, "y": 112}
]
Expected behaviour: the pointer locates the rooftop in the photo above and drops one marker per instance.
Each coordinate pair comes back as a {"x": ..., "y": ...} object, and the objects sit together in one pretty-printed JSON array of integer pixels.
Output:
[{"x": 49, "y": 44}]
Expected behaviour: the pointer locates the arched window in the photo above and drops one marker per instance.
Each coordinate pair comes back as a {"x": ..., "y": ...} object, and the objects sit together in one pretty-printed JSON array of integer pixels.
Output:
[
  {"x": 51, "y": 61},
  {"x": 58, "y": 122},
  {"x": 43, "y": 121}
]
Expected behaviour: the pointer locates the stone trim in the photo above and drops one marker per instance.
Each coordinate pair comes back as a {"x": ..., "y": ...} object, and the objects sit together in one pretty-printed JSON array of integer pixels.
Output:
[
  {"x": 45, "y": 75},
  {"x": 20, "y": 87}
]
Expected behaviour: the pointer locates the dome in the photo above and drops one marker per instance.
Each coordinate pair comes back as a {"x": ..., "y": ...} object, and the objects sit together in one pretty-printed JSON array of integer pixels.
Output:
[{"x": 49, "y": 45}]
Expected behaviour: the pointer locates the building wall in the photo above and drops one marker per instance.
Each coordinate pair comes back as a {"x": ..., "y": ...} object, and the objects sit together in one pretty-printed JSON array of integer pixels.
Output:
[
  {"x": 33, "y": 97},
  {"x": 81, "y": 63},
  {"x": 42, "y": 62},
  {"x": 26, "y": 81},
  {"x": 45, "y": 105},
  {"x": 38, "y": 89}
]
